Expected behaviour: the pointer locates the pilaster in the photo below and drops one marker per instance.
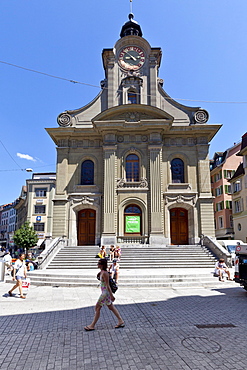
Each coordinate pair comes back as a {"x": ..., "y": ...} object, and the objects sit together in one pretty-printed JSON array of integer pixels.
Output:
[
  {"x": 156, "y": 203},
  {"x": 109, "y": 203}
]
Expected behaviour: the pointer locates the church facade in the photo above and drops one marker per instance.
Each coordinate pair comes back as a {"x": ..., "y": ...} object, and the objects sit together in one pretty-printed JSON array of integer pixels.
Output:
[{"x": 132, "y": 165}]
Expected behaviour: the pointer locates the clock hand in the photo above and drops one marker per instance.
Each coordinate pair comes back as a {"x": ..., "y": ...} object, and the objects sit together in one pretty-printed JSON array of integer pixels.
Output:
[{"x": 131, "y": 56}]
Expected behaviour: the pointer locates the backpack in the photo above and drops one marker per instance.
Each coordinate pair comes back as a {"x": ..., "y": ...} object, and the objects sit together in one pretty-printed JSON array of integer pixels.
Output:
[{"x": 112, "y": 283}]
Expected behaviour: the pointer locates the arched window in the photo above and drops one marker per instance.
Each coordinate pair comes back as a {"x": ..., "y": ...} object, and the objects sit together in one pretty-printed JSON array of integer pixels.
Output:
[
  {"x": 132, "y": 220},
  {"x": 87, "y": 173},
  {"x": 177, "y": 168},
  {"x": 132, "y": 168}
]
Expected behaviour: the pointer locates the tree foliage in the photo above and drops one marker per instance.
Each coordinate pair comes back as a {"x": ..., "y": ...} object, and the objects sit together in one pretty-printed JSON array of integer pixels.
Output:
[{"x": 25, "y": 237}]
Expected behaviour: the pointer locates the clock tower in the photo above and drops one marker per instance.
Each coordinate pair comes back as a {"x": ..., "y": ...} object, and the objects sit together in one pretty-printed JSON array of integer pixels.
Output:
[
  {"x": 132, "y": 165},
  {"x": 131, "y": 67}
]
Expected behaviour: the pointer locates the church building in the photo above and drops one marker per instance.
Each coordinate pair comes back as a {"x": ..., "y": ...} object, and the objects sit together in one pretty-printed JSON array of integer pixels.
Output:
[{"x": 132, "y": 165}]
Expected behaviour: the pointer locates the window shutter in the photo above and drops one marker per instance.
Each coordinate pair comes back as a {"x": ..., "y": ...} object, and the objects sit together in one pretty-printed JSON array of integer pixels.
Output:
[
  {"x": 226, "y": 189},
  {"x": 220, "y": 174},
  {"x": 221, "y": 189},
  {"x": 227, "y": 204},
  {"x": 222, "y": 204},
  {"x": 225, "y": 174}
]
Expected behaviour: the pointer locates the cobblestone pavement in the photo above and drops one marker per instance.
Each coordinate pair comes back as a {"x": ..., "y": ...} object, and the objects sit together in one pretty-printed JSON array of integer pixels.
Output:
[{"x": 182, "y": 328}]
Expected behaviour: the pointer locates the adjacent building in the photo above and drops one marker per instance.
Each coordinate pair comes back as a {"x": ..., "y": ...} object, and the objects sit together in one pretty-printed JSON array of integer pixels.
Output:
[
  {"x": 7, "y": 225},
  {"x": 39, "y": 202},
  {"x": 132, "y": 165},
  {"x": 239, "y": 194},
  {"x": 222, "y": 168}
]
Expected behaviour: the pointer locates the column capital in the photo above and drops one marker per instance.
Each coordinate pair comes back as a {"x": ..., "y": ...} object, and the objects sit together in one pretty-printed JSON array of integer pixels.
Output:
[
  {"x": 109, "y": 147},
  {"x": 155, "y": 147}
]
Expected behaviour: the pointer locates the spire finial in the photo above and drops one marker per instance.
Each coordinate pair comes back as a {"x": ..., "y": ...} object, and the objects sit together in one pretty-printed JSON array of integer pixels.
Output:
[{"x": 131, "y": 10}]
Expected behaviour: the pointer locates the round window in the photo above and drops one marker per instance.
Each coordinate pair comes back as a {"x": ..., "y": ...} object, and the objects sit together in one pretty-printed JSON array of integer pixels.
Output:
[{"x": 239, "y": 227}]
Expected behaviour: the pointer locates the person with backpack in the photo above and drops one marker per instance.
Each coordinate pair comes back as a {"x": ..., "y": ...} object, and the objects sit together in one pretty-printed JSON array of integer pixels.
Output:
[
  {"x": 106, "y": 297},
  {"x": 19, "y": 273}
]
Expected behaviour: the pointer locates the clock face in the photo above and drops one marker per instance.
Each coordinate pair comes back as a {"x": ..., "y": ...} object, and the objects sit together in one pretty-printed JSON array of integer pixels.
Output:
[{"x": 131, "y": 58}]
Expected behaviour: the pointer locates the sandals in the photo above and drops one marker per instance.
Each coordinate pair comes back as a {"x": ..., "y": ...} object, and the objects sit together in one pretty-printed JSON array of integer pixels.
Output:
[
  {"x": 10, "y": 294},
  {"x": 88, "y": 329},
  {"x": 120, "y": 326},
  {"x": 22, "y": 296}
]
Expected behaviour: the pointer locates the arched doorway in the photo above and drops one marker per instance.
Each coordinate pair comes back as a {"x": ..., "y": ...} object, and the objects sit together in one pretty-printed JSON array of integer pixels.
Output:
[
  {"x": 132, "y": 220},
  {"x": 179, "y": 226},
  {"x": 86, "y": 227}
]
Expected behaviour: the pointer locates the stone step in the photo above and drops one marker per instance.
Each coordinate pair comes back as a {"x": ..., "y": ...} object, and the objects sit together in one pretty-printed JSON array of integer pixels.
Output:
[
  {"x": 128, "y": 283},
  {"x": 53, "y": 267},
  {"x": 167, "y": 280}
]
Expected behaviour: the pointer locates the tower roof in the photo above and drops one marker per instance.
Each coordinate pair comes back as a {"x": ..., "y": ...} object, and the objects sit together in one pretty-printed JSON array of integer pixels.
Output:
[{"x": 131, "y": 28}]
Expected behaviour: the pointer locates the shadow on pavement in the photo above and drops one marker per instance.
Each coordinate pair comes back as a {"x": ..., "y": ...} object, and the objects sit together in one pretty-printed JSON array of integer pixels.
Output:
[{"x": 159, "y": 334}]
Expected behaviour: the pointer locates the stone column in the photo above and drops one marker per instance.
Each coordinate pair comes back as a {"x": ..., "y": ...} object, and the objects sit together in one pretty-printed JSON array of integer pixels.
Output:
[
  {"x": 112, "y": 87},
  {"x": 156, "y": 201},
  {"x": 109, "y": 199},
  {"x": 153, "y": 81}
]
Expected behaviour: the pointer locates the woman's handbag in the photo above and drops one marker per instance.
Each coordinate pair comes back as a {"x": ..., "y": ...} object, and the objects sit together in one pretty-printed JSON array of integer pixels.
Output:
[{"x": 113, "y": 285}]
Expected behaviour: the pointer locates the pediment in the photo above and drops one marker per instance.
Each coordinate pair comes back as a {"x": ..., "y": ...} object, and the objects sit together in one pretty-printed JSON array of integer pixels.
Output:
[{"x": 133, "y": 113}]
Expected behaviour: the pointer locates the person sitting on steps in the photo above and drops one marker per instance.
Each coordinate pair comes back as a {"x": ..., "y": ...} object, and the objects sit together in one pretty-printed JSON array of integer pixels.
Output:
[{"x": 221, "y": 269}]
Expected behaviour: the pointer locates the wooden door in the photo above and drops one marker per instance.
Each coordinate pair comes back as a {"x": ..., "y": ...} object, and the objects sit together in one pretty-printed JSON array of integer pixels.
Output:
[
  {"x": 179, "y": 226},
  {"x": 86, "y": 227}
]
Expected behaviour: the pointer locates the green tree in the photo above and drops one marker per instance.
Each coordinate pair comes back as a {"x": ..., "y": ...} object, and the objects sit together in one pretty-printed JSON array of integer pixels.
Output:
[{"x": 25, "y": 237}]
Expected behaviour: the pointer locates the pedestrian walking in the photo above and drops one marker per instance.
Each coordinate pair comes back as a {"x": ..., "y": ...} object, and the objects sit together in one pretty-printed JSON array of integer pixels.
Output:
[
  {"x": 19, "y": 273},
  {"x": 7, "y": 259},
  {"x": 106, "y": 297}
]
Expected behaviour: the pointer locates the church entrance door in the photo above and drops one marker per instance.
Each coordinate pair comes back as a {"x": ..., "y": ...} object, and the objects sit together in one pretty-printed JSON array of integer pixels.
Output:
[
  {"x": 179, "y": 226},
  {"x": 86, "y": 227}
]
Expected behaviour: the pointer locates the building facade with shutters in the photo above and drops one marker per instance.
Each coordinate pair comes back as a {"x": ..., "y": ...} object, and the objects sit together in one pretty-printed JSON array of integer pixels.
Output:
[
  {"x": 239, "y": 193},
  {"x": 222, "y": 168},
  {"x": 132, "y": 165}
]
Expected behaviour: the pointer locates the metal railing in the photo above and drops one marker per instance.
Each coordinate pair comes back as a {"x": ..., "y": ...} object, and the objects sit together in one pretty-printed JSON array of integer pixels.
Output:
[{"x": 50, "y": 251}]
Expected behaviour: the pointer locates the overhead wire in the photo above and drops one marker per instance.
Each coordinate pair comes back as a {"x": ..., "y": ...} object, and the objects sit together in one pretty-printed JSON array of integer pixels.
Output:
[
  {"x": 20, "y": 168},
  {"x": 10, "y": 155},
  {"x": 106, "y": 88}
]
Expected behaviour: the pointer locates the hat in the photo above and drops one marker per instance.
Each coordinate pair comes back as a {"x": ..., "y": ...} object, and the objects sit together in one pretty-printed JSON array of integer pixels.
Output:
[{"x": 115, "y": 260}]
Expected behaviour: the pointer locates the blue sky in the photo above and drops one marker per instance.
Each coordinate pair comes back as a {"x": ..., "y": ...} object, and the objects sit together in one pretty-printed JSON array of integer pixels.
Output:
[{"x": 204, "y": 59}]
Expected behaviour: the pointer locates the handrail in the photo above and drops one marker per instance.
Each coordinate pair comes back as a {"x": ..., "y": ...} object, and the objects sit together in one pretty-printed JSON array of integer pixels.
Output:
[
  {"x": 43, "y": 257},
  {"x": 216, "y": 249}
]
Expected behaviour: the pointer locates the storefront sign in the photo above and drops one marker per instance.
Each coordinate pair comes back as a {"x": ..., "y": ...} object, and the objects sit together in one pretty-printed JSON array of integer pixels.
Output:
[{"x": 132, "y": 224}]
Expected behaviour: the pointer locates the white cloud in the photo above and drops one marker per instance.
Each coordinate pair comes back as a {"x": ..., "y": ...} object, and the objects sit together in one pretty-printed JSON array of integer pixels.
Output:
[{"x": 26, "y": 156}]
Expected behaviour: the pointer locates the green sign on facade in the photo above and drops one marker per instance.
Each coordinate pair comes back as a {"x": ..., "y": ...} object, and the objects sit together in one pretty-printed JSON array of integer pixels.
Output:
[{"x": 132, "y": 224}]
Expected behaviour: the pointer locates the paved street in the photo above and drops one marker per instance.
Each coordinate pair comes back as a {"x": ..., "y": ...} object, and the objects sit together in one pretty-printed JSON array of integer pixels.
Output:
[{"x": 162, "y": 330}]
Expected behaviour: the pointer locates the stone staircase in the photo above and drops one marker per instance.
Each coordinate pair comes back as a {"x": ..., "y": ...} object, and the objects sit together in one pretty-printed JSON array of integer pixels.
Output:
[
  {"x": 140, "y": 266},
  {"x": 148, "y": 280},
  {"x": 184, "y": 256}
]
